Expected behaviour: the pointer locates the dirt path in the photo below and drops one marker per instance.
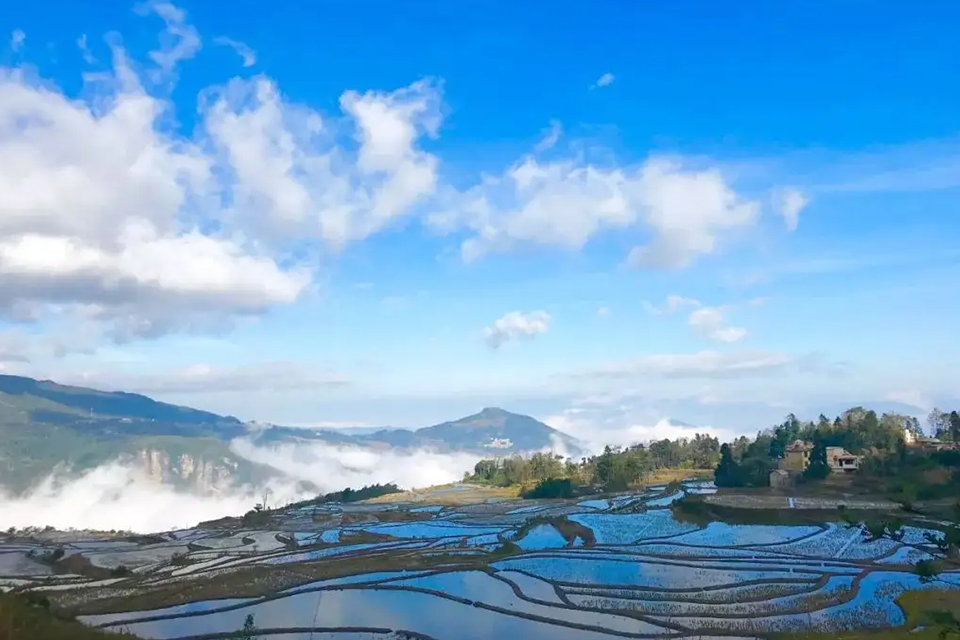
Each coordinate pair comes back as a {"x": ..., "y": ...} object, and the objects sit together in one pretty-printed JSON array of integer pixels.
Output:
[{"x": 745, "y": 501}]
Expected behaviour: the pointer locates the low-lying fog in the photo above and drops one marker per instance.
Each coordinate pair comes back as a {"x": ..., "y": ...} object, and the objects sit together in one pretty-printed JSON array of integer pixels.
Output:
[{"x": 118, "y": 496}]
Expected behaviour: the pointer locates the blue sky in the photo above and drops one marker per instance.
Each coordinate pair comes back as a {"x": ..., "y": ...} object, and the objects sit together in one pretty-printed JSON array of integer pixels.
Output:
[{"x": 366, "y": 213}]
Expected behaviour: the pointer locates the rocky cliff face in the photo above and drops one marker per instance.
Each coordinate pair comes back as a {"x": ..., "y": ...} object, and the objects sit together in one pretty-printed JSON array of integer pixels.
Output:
[{"x": 188, "y": 471}]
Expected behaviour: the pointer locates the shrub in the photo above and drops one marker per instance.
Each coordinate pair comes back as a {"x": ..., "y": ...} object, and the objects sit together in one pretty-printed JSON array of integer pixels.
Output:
[{"x": 551, "y": 488}]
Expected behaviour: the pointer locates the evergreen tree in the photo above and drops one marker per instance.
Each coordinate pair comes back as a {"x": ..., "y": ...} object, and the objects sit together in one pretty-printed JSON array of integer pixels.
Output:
[
  {"x": 817, "y": 469},
  {"x": 728, "y": 471}
]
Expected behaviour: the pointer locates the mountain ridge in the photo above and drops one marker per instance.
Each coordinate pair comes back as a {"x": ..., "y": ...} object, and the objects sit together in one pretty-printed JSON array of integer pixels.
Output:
[{"x": 45, "y": 426}]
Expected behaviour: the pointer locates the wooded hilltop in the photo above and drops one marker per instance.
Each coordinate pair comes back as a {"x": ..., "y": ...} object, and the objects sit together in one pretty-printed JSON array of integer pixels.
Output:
[{"x": 880, "y": 440}]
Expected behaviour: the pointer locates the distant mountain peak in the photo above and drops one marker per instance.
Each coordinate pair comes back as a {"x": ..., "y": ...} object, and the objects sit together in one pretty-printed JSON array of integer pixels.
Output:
[{"x": 493, "y": 412}]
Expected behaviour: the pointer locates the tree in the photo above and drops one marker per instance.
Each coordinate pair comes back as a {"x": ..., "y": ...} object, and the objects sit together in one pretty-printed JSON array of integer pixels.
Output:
[
  {"x": 817, "y": 469},
  {"x": 740, "y": 447},
  {"x": 727, "y": 473},
  {"x": 939, "y": 423},
  {"x": 783, "y": 435},
  {"x": 755, "y": 472},
  {"x": 249, "y": 631},
  {"x": 954, "y": 426},
  {"x": 704, "y": 450},
  {"x": 898, "y": 421}
]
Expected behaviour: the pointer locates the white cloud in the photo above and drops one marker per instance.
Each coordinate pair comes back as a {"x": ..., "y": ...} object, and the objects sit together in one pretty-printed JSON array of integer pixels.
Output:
[
  {"x": 708, "y": 323},
  {"x": 792, "y": 202},
  {"x": 290, "y": 180},
  {"x": 119, "y": 496},
  {"x": 248, "y": 55},
  {"x": 702, "y": 364},
  {"x": 605, "y": 80},
  {"x": 913, "y": 397},
  {"x": 17, "y": 38},
  {"x": 88, "y": 56},
  {"x": 516, "y": 325},
  {"x": 20, "y": 346},
  {"x": 179, "y": 41},
  {"x": 205, "y": 379},
  {"x": 106, "y": 211},
  {"x": 550, "y": 137},
  {"x": 332, "y": 468},
  {"x": 687, "y": 211},
  {"x": 604, "y": 312},
  {"x": 12, "y": 349},
  {"x": 598, "y": 427},
  {"x": 673, "y": 303},
  {"x": 111, "y": 213},
  {"x": 705, "y": 322},
  {"x": 566, "y": 203}
]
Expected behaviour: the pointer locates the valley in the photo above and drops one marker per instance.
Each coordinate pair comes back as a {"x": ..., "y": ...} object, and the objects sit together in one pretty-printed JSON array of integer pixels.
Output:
[
  {"x": 617, "y": 565},
  {"x": 48, "y": 428}
]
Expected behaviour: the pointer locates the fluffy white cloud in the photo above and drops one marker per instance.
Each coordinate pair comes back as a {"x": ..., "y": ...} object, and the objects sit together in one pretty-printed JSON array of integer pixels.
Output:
[
  {"x": 110, "y": 212},
  {"x": 91, "y": 213},
  {"x": 566, "y": 203},
  {"x": 333, "y": 467},
  {"x": 119, "y": 496},
  {"x": 792, "y": 202},
  {"x": 248, "y": 55},
  {"x": 107, "y": 211},
  {"x": 605, "y": 80},
  {"x": 515, "y": 325},
  {"x": 290, "y": 179},
  {"x": 708, "y": 323},
  {"x": 598, "y": 427}
]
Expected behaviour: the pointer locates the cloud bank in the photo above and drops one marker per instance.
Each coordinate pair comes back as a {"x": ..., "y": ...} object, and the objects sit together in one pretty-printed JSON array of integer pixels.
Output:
[{"x": 119, "y": 496}]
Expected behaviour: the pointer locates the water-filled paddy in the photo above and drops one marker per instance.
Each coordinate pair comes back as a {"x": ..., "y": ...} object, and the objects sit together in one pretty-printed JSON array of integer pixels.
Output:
[{"x": 481, "y": 571}]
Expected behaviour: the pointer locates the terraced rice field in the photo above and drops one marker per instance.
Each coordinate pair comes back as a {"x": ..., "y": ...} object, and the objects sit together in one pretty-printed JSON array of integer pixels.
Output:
[{"x": 612, "y": 567}]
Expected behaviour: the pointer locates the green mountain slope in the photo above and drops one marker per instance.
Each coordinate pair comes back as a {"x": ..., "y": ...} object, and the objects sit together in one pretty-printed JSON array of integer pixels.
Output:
[{"x": 45, "y": 426}]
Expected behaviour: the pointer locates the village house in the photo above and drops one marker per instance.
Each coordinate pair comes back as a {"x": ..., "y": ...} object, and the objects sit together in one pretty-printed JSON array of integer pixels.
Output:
[
  {"x": 780, "y": 479},
  {"x": 914, "y": 441},
  {"x": 841, "y": 460},
  {"x": 796, "y": 458}
]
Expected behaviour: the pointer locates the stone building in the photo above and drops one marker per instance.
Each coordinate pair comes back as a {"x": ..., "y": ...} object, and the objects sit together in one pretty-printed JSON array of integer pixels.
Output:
[
  {"x": 796, "y": 457},
  {"x": 780, "y": 479}
]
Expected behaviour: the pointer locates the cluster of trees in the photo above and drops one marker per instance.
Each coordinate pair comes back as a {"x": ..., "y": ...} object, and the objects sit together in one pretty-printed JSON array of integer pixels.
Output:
[
  {"x": 364, "y": 493},
  {"x": 943, "y": 425},
  {"x": 743, "y": 462},
  {"x": 746, "y": 462},
  {"x": 616, "y": 469}
]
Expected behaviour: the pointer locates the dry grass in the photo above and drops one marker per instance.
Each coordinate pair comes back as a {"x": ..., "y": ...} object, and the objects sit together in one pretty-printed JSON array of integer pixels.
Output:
[
  {"x": 22, "y": 618},
  {"x": 431, "y": 496},
  {"x": 914, "y": 605},
  {"x": 666, "y": 476},
  {"x": 261, "y": 581}
]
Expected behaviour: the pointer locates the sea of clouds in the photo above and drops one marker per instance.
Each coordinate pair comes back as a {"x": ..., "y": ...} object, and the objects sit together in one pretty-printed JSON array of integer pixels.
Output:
[{"x": 119, "y": 496}]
